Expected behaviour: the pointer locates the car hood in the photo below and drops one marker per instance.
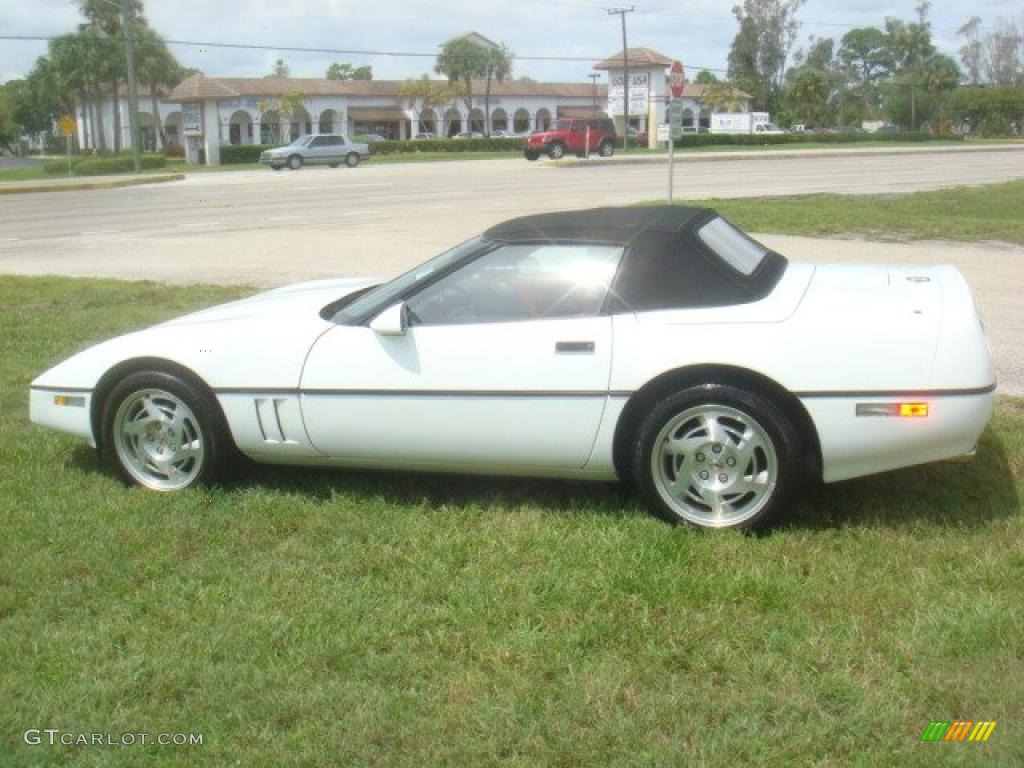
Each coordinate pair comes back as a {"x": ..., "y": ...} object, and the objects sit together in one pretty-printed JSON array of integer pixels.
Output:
[
  {"x": 288, "y": 301},
  {"x": 259, "y": 341}
]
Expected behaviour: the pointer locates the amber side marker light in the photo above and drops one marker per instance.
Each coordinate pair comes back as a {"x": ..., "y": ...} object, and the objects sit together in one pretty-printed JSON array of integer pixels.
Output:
[
  {"x": 74, "y": 401},
  {"x": 914, "y": 410},
  {"x": 903, "y": 410}
]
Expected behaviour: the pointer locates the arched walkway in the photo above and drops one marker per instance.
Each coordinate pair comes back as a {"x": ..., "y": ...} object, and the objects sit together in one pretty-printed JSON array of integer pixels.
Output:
[
  {"x": 240, "y": 128},
  {"x": 499, "y": 120},
  {"x": 543, "y": 119},
  {"x": 521, "y": 121}
]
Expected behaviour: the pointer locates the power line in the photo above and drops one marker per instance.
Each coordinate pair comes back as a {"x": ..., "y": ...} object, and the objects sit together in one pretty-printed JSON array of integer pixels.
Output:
[{"x": 339, "y": 51}]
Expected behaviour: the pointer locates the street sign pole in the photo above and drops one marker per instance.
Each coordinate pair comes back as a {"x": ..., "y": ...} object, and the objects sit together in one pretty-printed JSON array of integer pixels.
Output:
[
  {"x": 677, "y": 81},
  {"x": 67, "y": 140},
  {"x": 671, "y": 163}
]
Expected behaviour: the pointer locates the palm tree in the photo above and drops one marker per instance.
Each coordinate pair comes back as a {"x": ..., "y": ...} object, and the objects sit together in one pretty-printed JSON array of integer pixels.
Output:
[
  {"x": 158, "y": 69},
  {"x": 499, "y": 66}
]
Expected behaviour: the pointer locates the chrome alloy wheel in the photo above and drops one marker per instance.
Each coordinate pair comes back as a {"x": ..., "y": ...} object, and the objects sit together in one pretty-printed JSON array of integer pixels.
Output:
[
  {"x": 158, "y": 440},
  {"x": 714, "y": 466}
]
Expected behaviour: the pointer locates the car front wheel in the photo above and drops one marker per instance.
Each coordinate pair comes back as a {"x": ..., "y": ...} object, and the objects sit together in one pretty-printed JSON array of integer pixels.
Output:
[
  {"x": 531, "y": 154},
  {"x": 295, "y": 162},
  {"x": 556, "y": 151},
  {"x": 352, "y": 160},
  {"x": 716, "y": 456},
  {"x": 606, "y": 150},
  {"x": 163, "y": 432}
]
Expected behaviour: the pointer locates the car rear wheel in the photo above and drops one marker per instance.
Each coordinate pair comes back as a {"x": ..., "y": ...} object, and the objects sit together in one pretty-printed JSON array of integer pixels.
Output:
[
  {"x": 163, "y": 432},
  {"x": 352, "y": 159},
  {"x": 606, "y": 149},
  {"x": 556, "y": 151},
  {"x": 716, "y": 456},
  {"x": 295, "y": 162},
  {"x": 531, "y": 154}
]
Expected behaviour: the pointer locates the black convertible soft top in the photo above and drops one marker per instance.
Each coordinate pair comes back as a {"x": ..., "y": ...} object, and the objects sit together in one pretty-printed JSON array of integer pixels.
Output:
[
  {"x": 615, "y": 225},
  {"x": 667, "y": 263}
]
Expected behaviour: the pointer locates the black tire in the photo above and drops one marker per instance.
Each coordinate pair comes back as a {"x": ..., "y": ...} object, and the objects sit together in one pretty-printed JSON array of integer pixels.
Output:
[
  {"x": 334, "y": 165},
  {"x": 276, "y": 167},
  {"x": 556, "y": 150},
  {"x": 750, "y": 492},
  {"x": 531, "y": 154},
  {"x": 295, "y": 162},
  {"x": 352, "y": 159},
  {"x": 607, "y": 149},
  {"x": 216, "y": 450}
]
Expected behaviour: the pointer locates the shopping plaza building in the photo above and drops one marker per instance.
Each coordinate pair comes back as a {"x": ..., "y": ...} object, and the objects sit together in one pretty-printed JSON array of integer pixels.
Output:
[{"x": 204, "y": 113}]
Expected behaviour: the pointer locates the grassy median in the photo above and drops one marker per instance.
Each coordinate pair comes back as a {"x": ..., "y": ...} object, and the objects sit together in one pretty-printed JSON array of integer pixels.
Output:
[
  {"x": 990, "y": 212},
  {"x": 322, "y": 618}
]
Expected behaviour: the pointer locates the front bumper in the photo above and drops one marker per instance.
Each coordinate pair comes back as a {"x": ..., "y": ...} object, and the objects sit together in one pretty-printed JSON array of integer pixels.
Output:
[{"x": 68, "y": 410}]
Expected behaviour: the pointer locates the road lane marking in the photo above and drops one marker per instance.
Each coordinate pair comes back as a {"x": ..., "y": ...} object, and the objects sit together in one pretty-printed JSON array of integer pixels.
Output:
[
  {"x": 9, "y": 239},
  {"x": 285, "y": 218},
  {"x": 198, "y": 224},
  {"x": 102, "y": 232}
]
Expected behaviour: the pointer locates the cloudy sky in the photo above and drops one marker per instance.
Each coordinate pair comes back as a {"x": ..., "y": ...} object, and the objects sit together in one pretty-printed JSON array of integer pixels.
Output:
[{"x": 697, "y": 31}]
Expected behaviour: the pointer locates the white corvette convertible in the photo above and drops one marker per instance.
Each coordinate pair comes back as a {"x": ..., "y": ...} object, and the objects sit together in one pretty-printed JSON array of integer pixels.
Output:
[{"x": 656, "y": 344}]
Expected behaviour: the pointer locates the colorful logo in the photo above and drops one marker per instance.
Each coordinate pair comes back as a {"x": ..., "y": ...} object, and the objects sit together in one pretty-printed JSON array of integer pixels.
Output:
[{"x": 958, "y": 730}]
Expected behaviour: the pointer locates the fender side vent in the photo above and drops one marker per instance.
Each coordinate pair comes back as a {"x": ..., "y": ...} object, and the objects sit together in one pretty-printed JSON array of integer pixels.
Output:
[{"x": 269, "y": 418}]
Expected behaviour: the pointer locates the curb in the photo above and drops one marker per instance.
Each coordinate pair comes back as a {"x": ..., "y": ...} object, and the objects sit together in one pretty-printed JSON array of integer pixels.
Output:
[
  {"x": 787, "y": 154},
  {"x": 28, "y": 187}
]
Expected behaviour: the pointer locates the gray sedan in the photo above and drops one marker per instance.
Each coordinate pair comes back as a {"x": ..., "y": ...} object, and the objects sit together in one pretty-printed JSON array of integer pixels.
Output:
[{"x": 331, "y": 149}]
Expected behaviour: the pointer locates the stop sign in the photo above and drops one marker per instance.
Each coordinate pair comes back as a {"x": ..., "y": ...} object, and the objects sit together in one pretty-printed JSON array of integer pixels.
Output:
[{"x": 676, "y": 79}]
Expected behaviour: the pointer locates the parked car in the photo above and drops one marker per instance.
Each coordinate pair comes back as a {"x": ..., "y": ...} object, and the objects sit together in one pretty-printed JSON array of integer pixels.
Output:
[
  {"x": 501, "y": 133},
  {"x": 331, "y": 149},
  {"x": 375, "y": 137},
  {"x": 637, "y": 137},
  {"x": 571, "y": 135},
  {"x": 658, "y": 344},
  {"x": 469, "y": 135},
  {"x": 425, "y": 136}
]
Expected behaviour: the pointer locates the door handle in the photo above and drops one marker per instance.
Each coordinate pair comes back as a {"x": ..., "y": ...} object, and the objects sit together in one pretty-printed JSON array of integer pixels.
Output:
[{"x": 574, "y": 346}]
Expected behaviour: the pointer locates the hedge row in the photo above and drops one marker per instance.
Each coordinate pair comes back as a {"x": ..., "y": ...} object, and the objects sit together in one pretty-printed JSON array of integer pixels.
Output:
[
  {"x": 745, "y": 139},
  {"x": 87, "y": 165},
  {"x": 232, "y": 154}
]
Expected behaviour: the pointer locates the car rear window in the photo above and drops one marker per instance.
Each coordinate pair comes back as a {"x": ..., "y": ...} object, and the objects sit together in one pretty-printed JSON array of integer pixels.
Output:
[{"x": 742, "y": 253}]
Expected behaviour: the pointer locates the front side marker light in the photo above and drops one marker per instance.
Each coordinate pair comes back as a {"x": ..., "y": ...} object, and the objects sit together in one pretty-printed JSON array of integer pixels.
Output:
[
  {"x": 74, "y": 401},
  {"x": 900, "y": 410}
]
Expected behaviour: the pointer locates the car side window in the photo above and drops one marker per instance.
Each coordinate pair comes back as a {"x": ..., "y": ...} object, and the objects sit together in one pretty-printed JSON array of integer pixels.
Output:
[
  {"x": 319, "y": 141},
  {"x": 515, "y": 283}
]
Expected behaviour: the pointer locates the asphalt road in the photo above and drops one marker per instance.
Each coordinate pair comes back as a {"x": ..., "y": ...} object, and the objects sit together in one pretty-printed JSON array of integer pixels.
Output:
[{"x": 265, "y": 228}]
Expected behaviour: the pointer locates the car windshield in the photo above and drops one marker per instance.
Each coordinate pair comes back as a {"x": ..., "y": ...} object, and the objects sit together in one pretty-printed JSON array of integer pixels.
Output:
[
  {"x": 301, "y": 141},
  {"x": 742, "y": 253},
  {"x": 384, "y": 295}
]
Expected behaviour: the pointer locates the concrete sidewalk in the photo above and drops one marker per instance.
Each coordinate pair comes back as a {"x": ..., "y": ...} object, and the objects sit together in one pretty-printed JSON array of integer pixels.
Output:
[
  {"x": 85, "y": 182},
  {"x": 796, "y": 153}
]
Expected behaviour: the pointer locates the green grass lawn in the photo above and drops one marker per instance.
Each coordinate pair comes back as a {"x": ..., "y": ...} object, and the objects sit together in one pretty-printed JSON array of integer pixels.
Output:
[
  {"x": 322, "y": 618},
  {"x": 991, "y": 212}
]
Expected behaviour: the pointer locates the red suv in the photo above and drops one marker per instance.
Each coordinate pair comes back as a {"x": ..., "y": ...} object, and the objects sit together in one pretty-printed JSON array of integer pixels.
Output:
[{"x": 570, "y": 135}]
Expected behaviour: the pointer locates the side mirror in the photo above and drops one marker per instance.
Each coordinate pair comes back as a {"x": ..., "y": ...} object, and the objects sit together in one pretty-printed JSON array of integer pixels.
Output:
[{"x": 390, "y": 322}]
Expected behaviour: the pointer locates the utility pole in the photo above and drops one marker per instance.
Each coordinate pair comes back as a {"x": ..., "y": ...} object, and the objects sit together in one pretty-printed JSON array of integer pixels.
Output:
[
  {"x": 625, "y": 72},
  {"x": 133, "y": 95},
  {"x": 593, "y": 76}
]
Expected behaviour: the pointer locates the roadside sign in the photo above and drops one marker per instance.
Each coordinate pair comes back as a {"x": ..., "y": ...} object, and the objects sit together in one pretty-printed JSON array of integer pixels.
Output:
[
  {"x": 677, "y": 79},
  {"x": 675, "y": 118},
  {"x": 664, "y": 132},
  {"x": 67, "y": 125}
]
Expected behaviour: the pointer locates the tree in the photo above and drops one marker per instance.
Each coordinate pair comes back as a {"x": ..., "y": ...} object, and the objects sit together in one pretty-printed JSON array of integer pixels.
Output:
[
  {"x": 461, "y": 60},
  {"x": 910, "y": 46},
  {"x": 345, "y": 71},
  {"x": 158, "y": 69},
  {"x": 8, "y": 128},
  {"x": 996, "y": 110},
  {"x": 103, "y": 19},
  {"x": 421, "y": 94},
  {"x": 971, "y": 51},
  {"x": 288, "y": 107},
  {"x": 280, "y": 69},
  {"x": 705, "y": 77},
  {"x": 722, "y": 96},
  {"x": 1003, "y": 54},
  {"x": 499, "y": 67},
  {"x": 761, "y": 48}
]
